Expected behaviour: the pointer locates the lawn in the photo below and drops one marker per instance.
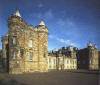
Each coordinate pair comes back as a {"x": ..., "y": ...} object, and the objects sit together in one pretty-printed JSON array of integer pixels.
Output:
[{"x": 50, "y": 78}]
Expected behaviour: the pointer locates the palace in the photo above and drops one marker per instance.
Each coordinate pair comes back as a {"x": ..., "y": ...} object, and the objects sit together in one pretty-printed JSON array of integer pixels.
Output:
[{"x": 25, "y": 49}]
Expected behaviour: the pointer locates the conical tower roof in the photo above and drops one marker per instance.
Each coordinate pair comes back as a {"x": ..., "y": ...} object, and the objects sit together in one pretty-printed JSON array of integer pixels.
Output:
[
  {"x": 42, "y": 23},
  {"x": 89, "y": 44},
  {"x": 16, "y": 13},
  {"x": 95, "y": 46}
]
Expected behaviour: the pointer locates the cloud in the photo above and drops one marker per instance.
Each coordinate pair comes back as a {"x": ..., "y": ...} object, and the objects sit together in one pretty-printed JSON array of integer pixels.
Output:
[
  {"x": 47, "y": 15},
  {"x": 67, "y": 42},
  {"x": 69, "y": 26},
  {"x": 66, "y": 22},
  {"x": 40, "y": 5}
]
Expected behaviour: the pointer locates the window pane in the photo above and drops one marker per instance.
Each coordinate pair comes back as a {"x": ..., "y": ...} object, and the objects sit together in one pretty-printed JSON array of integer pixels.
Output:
[
  {"x": 30, "y": 33},
  {"x": 49, "y": 60},
  {"x": 54, "y": 61},
  {"x": 15, "y": 55},
  {"x": 30, "y": 43},
  {"x": 14, "y": 40},
  {"x": 21, "y": 52},
  {"x": 44, "y": 55},
  {"x": 31, "y": 56}
]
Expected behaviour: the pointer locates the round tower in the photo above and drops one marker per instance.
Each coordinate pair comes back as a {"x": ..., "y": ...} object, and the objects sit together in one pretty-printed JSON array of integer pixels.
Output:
[
  {"x": 93, "y": 58},
  {"x": 41, "y": 32},
  {"x": 5, "y": 52},
  {"x": 15, "y": 22},
  {"x": 16, "y": 40}
]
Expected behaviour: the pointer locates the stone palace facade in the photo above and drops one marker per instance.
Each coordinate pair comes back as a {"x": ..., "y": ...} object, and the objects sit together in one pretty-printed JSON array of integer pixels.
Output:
[{"x": 25, "y": 49}]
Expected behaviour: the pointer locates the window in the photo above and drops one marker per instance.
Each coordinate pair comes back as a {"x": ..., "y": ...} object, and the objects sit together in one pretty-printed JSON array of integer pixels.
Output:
[
  {"x": 93, "y": 61},
  {"x": 21, "y": 52},
  {"x": 14, "y": 40},
  {"x": 22, "y": 29},
  {"x": 31, "y": 43},
  {"x": 67, "y": 62},
  {"x": 49, "y": 60},
  {"x": 31, "y": 56},
  {"x": 54, "y": 61},
  {"x": 44, "y": 55},
  {"x": 15, "y": 55},
  {"x": 70, "y": 61},
  {"x": 73, "y": 62},
  {"x": 90, "y": 61},
  {"x": 49, "y": 66},
  {"x": 31, "y": 33}
]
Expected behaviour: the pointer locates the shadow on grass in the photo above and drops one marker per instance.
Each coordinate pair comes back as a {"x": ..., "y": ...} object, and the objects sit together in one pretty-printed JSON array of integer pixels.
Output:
[{"x": 6, "y": 81}]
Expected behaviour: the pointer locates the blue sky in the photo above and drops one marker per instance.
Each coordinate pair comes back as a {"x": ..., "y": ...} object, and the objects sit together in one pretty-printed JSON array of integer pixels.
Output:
[{"x": 70, "y": 22}]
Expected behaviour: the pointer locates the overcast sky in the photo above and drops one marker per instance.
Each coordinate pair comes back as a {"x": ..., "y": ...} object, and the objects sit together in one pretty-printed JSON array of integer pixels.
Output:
[{"x": 70, "y": 22}]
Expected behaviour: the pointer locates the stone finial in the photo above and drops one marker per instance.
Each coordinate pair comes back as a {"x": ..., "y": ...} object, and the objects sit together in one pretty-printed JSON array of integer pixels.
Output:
[
  {"x": 70, "y": 48},
  {"x": 42, "y": 23},
  {"x": 7, "y": 34},
  {"x": 89, "y": 44},
  {"x": 16, "y": 13},
  {"x": 95, "y": 46},
  {"x": 75, "y": 48}
]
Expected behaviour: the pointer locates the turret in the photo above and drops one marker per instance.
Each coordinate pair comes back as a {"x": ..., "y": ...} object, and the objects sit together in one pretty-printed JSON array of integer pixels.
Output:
[
  {"x": 17, "y": 14},
  {"x": 41, "y": 32},
  {"x": 70, "y": 48},
  {"x": 17, "y": 41},
  {"x": 15, "y": 20},
  {"x": 93, "y": 58},
  {"x": 89, "y": 44},
  {"x": 42, "y": 23},
  {"x": 95, "y": 46}
]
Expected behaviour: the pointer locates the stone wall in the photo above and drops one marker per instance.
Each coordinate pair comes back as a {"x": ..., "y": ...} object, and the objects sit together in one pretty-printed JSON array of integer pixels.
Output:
[
  {"x": 24, "y": 34},
  {"x": 93, "y": 59}
]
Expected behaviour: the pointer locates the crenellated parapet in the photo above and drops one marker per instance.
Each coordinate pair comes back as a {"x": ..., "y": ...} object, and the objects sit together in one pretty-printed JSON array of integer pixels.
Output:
[{"x": 65, "y": 51}]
